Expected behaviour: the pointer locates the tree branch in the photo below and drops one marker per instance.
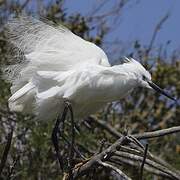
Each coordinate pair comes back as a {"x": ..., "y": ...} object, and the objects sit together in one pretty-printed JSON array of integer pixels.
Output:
[
  {"x": 147, "y": 135},
  {"x": 157, "y": 133},
  {"x": 121, "y": 174},
  {"x": 104, "y": 155},
  {"x": 149, "y": 163},
  {"x": 118, "y": 153}
]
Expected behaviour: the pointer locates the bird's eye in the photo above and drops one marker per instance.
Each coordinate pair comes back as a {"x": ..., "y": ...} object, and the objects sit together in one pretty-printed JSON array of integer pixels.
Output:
[{"x": 143, "y": 78}]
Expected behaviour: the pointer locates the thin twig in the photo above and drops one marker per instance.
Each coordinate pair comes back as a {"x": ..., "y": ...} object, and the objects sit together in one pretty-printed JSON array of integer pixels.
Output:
[
  {"x": 6, "y": 151},
  {"x": 157, "y": 133},
  {"x": 122, "y": 160},
  {"x": 121, "y": 174},
  {"x": 151, "y": 163},
  {"x": 138, "y": 143},
  {"x": 147, "y": 135},
  {"x": 156, "y": 30},
  {"x": 116, "y": 152},
  {"x": 102, "y": 124},
  {"x": 104, "y": 155},
  {"x": 24, "y": 4},
  {"x": 143, "y": 162},
  {"x": 149, "y": 155}
]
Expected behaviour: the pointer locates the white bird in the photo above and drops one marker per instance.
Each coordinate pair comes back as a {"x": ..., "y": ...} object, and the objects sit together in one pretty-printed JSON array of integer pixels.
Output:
[{"x": 59, "y": 66}]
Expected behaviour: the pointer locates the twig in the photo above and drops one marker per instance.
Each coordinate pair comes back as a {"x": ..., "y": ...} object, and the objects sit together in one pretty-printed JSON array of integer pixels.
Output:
[
  {"x": 117, "y": 152},
  {"x": 24, "y": 4},
  {"x": 74, "y": 147},
  {"x": 102, "y": 124},
  {"x": 149, "y": 155},
  {"x": 118, "y": 160},
  {"x": 11, "y": 171},
  {"x": 122, "y": 175},
  {"x": 115, "y": 10},
  {"x": 143, "y": 162},
  {"x": 136, "y": 142},
  {"x": 157, "y": 133},
  {"x": 157, "y": 28},
  {"x": 104, "y": 155},
  {"x": 152, "y": 164},
  {"x": 146, "y": 135},
  {"x": 6, "y": 151}
]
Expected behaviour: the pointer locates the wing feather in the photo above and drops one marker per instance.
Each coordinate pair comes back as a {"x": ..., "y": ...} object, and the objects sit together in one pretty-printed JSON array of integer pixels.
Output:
[
  {"x": 47, "y": 48},
  {"x": 34, "y": 36}
]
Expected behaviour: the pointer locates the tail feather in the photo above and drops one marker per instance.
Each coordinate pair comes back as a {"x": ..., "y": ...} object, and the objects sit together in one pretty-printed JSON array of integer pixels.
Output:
[{"x": 22, "y": 100}]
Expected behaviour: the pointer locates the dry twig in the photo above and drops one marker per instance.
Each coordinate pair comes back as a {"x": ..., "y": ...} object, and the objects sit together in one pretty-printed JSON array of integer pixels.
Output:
[
  {"x": 135, "y": 155},
  {"x": 147, "y": 135}
]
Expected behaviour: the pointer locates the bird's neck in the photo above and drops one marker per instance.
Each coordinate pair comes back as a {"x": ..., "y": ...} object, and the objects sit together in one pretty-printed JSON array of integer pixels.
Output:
[
  {"x": 125, "y": 71},
  {"x": 115, "y": 83}
]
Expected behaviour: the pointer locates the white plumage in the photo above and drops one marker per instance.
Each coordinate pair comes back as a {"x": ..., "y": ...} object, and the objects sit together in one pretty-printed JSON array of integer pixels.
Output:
[{"x": 61, "y": 66}]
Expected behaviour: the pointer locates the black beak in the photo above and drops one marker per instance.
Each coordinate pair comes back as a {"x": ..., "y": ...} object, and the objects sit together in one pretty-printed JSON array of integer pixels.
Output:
[{"x": 158, "y": 89}]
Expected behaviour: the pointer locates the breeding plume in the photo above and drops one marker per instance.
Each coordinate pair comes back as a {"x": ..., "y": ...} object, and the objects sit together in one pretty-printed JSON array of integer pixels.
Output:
[{"x": 60, "y": 67}]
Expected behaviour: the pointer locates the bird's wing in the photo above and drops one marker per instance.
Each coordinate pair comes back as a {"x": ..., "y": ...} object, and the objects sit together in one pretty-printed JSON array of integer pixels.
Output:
[{"x": 48, "y": 47}]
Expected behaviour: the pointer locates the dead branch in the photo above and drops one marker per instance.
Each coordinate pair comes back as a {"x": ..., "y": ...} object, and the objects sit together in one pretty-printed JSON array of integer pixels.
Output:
[
  {"x": 121, "y": 174},
  {"x": 103, "y": 125},
  {"x": 149, "y": 155},
  {"x": 158, "y": 133},
  {"x": 147, "y": 135},
  {"x": 120, "y": 160},
  {"x": 118, "y": 154},
  {"x": 162, "y": 170},
  {"x": 93, "y": 162}
]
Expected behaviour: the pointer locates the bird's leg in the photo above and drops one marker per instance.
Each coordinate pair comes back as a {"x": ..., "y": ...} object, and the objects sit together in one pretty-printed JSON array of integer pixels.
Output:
[
  {"x": 54, "y": 136},
  {"x": 71, "y": 153}
]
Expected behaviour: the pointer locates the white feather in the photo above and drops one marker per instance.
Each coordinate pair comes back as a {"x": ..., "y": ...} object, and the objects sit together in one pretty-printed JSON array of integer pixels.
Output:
[{"x": 58, "y": 66}]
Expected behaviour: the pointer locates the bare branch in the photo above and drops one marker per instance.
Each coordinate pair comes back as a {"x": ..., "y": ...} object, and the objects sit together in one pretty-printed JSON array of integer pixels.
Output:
[
  {"x": 136, "y": 164},
  {"x": 118, "y": 153},
  {"x": 104, "y": 155},
  {"x": 150, "y": 163},
  {"x": 122, "y": 175},
  {"x": 149, "y": 155},
  {"x": 102, "y": 124},
  {"x": 157, "y": 133},
  {"x": 147, "y": 135}
]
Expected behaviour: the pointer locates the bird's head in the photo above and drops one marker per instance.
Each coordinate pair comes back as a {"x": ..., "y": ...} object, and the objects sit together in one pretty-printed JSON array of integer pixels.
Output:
[{"x": 143, "y": 78}]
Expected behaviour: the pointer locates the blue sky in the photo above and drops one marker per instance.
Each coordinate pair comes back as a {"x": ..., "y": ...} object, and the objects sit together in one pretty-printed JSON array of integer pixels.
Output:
[{"x": 139, "y": 19}]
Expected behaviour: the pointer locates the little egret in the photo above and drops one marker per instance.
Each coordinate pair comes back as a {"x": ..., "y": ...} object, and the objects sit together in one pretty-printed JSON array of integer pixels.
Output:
[{"x": 60, "y": 70}]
